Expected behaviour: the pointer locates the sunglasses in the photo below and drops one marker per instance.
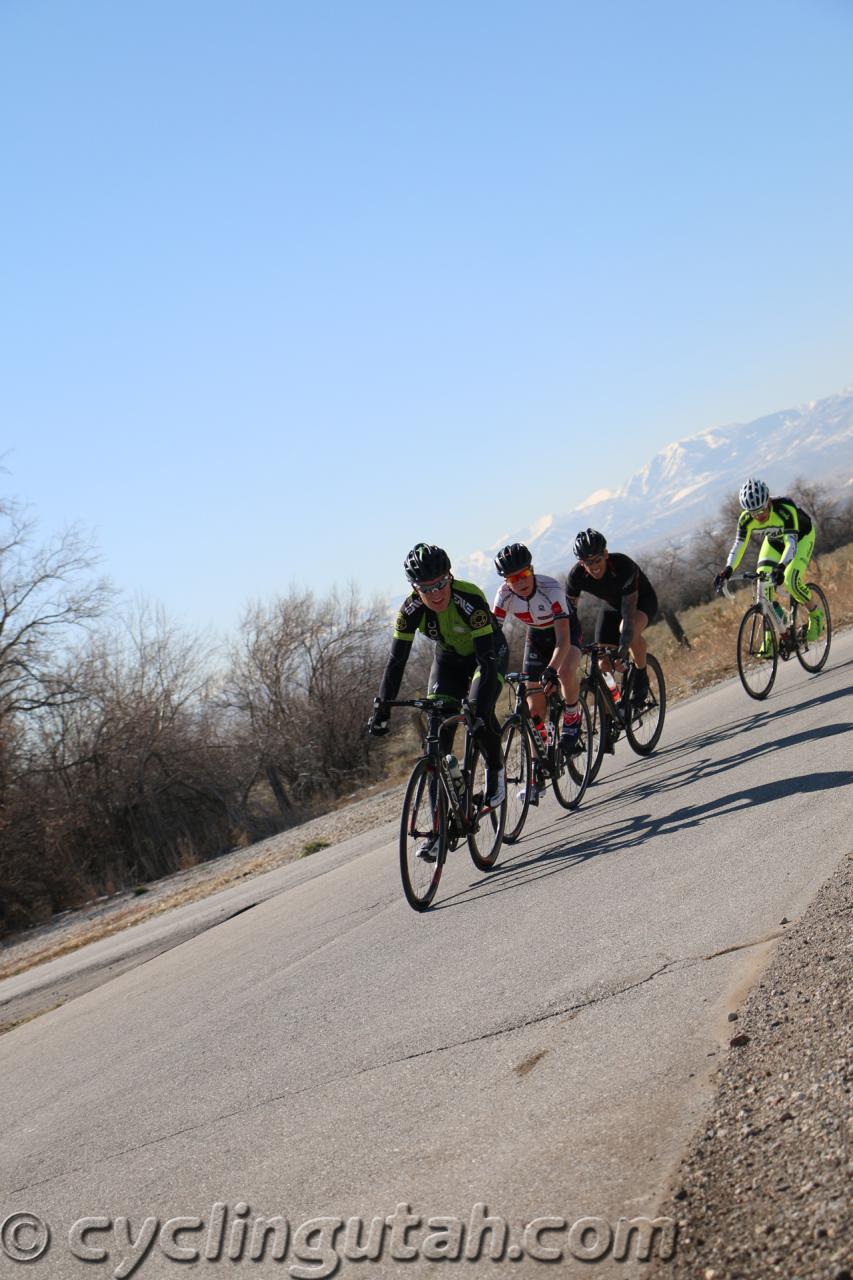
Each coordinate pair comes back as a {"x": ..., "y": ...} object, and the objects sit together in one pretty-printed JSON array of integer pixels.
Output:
[
  {"x": 432, "y": 588},
  {"x": 593, "y": 560},
  {"x": 520, "y": 576}
]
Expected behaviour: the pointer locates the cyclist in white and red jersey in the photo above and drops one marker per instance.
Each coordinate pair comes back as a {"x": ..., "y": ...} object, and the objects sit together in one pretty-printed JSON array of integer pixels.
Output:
[{"x": 552, "y": 647}]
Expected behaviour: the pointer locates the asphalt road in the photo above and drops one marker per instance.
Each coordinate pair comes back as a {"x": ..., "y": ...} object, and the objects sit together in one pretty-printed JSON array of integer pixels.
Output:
[{"x": 539, "y": 1042}]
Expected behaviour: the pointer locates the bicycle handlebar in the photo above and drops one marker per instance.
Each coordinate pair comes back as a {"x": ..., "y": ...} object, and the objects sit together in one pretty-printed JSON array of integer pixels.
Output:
[
  {"x": 739, "y": 577},
  {"x": 440, "y": 704}
]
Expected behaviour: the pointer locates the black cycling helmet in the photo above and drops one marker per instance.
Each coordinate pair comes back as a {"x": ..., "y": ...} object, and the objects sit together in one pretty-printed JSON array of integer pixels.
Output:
[
  {"x": 425, "y": 561},
  {"x": 589, "y": 542},
  {"x": 513, "y": 559}
]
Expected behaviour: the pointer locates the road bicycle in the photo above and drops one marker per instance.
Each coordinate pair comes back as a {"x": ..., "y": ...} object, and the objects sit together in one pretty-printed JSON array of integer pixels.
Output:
[
  {"x": 768, "y": 631},
  {"x": 444, "y": 802},
  {"x": 641, "y": 719},
  {"x": 533, "y": 762}
]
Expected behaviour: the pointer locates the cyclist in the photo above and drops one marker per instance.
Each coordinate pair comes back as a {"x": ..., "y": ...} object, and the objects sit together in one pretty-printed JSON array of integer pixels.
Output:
[
  {"x": 552, "y": 646},
  {"x": 628, "y": 600},
  {"x": 789, "y": 538},
  {"x": 471, "y": 657}
]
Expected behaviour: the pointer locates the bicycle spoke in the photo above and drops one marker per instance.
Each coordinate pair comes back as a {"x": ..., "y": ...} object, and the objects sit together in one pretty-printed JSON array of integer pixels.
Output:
[
  {"x": 516, "y": 749},
  {"x": 812, "y": 654},
  {"x": 644, "y": 718},
  {"x": 486, "y": 836},
  {"x": 757, "y": 653},
  {"x": 423, "y": 824}
]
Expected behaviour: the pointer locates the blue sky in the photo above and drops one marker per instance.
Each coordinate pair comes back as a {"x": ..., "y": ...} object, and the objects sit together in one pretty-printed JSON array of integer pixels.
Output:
[{"x": 286, "y": 287}]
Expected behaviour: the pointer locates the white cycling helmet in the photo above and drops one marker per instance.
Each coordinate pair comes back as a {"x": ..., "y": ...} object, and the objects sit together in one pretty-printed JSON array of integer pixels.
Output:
[{"x": 754, "y": 495}]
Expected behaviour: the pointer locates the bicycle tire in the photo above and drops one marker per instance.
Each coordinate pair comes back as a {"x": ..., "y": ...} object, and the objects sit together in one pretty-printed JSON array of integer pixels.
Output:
[
  {"x": 519, "y": 776},
  {"x": 802, "y": 644},
  {"x": 485, "y": 834},
  {"x": 570, "y": 775},
  {"x": 642, "y": 729},
  {"x": 756, "y": 668},
  {"x": 424, "y": 814},
  {"x": 599, "y": 725}
]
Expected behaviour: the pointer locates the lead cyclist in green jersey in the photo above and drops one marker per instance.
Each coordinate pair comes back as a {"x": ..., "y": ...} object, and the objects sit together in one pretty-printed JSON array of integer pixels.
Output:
[
  {"x": 789, "y": 538},
  {"x": 470, "y": 650}
]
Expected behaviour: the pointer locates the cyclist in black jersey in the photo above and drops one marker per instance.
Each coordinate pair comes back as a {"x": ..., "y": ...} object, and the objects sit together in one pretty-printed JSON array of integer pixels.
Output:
[
  {"x": 628, "y": 599},
  {"x": 471, "y": 654}
]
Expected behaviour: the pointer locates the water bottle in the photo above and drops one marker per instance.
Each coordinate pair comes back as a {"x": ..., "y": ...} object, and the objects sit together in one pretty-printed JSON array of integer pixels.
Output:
[
  {"x": 779, "y": 611},
  {"x": 551, "y": 733},
  {"x": 455, "y": 774},
  {"x": 612, "y": 686}
]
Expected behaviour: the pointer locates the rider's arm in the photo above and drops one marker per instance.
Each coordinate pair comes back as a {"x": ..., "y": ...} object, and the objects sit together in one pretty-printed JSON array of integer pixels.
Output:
[
  {"x": 789, "y": 513},
  {"x": 485, "y": 651},
  {"x": 394, "y": 668},
  {"x": 742, "y": 535},
  {"x": 405, "y": 629},
  {"x": 629, "y": 608},
  {"x": 563, "y": 636}
]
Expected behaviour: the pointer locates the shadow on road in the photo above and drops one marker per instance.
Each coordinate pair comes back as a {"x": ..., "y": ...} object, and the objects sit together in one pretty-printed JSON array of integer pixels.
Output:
[
  {"x": 530, "y": 864},
  {"x": 644, "y": 778}
]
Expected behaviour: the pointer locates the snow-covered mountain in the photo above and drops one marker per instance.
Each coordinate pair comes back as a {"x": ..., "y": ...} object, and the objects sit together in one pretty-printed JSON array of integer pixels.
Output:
[{"x": 684, "y": 485}]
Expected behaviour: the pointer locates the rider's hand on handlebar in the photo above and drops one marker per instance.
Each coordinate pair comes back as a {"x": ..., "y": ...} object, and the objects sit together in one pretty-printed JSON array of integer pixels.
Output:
[
  {"x": 722, "y": 578},
  {"x": 377, "y": 725},
  {"x": 777, "y": 575},
  {"x": 548, "y": 678},
  {"x": 623, "y": 653}
]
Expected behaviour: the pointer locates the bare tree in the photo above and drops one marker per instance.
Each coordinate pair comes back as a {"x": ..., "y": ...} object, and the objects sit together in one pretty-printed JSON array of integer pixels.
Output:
[
  {"x": 46, "y": 592},
  {"x": 302, "y": 675}
]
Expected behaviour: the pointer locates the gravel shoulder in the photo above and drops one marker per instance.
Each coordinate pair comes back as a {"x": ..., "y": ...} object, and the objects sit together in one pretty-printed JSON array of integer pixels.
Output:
[{"x": 765, "y": 1188}]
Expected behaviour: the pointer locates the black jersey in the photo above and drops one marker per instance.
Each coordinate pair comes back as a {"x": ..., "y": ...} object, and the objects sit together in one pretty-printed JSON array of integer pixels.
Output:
[{"x": 622, "y": 577}]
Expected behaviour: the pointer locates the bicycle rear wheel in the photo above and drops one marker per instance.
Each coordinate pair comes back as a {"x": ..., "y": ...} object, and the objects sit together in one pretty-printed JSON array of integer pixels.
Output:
[
  {"x": 519, "y": 776},
  {"x": 757, "y": 653},
  {"x": 571, "y": 774},
  {"x": 486, "y": 830},
  {"x": 599, "y": 726},
  {"x": 424, "y": 818},
  {"x": 644, "y": 720},
  {"x": 812, "y": 654}
]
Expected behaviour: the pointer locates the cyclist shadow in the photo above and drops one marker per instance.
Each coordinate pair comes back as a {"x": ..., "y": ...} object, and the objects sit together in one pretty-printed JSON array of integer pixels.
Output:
[
  {"x": 758, "y": 719},
  {"x": 527, "y": 866},
  {"x": 642, "y": 786}
]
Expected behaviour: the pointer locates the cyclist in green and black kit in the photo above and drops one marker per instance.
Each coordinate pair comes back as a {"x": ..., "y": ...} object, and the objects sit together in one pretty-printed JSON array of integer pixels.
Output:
[
  {"x": 789, "y": 538},
  {"x": 471, "y": 654}
]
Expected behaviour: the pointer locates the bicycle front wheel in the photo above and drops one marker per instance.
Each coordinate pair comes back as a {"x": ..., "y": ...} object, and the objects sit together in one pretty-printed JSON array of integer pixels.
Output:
[
  {"x": 812, "y": 654},
  {"x": 644, "y": 718},
  {"x": 571, "y": 774},
  {"x": 757, "y": 653},
  {"x": 485, "y": 830},
  {"x": 519, "y": 776},
  {"x": 423, "y": 835},
  {"x": 599, "y": 726}
]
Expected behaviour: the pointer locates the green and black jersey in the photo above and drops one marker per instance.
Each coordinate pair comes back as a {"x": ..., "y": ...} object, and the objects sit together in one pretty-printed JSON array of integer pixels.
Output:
[
  {"x": 466, "y": 629},
  {"x": 783, "y": 529},
  {"x": 467, "y": 618}
]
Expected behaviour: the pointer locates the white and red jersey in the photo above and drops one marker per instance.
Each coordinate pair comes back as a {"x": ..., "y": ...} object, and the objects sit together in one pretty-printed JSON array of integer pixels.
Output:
[{"x": 545, "y": 606}]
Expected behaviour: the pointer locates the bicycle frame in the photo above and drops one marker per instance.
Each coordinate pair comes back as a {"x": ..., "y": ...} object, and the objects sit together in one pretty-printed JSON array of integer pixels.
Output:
[
  {"x": 765, "y": 597},
  {"x": 523, "y": 715},
  {"x": 432, "y": 750},
  {"x": 596, "y": 679}
]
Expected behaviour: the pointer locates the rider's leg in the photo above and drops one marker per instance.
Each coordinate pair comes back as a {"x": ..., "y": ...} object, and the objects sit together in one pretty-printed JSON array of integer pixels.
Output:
[{"x": 795, "y": 581}]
